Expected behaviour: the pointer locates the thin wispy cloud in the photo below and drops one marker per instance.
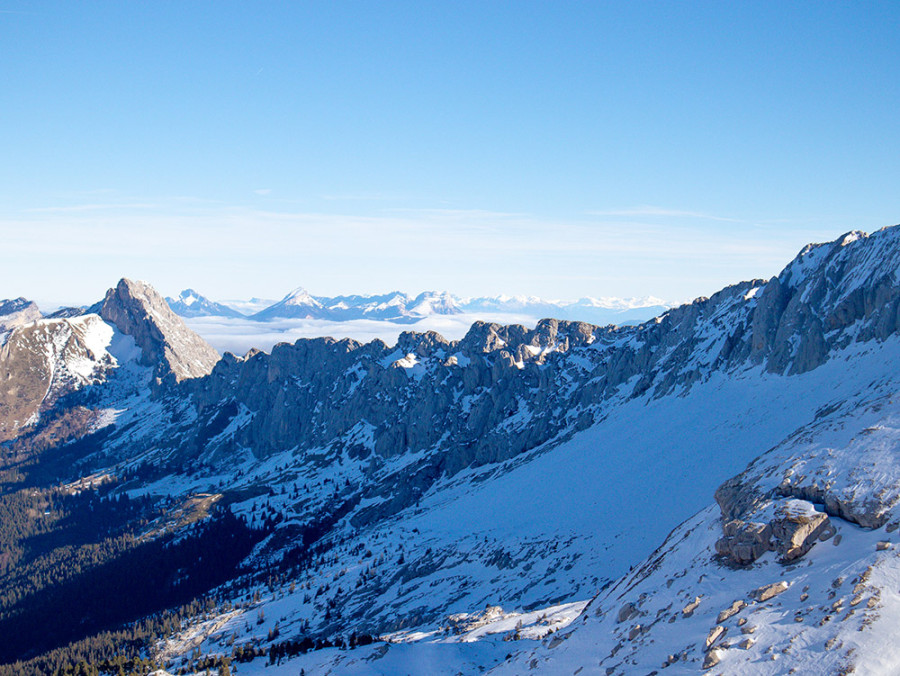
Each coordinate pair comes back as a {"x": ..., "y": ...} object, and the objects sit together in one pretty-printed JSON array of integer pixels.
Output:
[
  {"x": 184, "y": 242},
  {"x": 662, "y": 212},
  {"x": 78, "y": 208},
  {"x": 365, "y": 196}
]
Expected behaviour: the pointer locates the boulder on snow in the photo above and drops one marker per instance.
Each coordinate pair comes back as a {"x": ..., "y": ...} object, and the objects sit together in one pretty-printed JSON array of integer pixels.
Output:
[
  {"x": 766, "y": 592},
  {"x": 731, "y": 610},
  {"x": 689, "y": 609},
  {"x": 713, "y": 657},
  {"x": 714, "y": 635},
  {"x": 626, "y": 612}
]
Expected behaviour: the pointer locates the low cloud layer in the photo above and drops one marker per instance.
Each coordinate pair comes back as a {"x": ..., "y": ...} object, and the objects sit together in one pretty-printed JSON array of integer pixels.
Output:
[{"x": 240, "y": 335}]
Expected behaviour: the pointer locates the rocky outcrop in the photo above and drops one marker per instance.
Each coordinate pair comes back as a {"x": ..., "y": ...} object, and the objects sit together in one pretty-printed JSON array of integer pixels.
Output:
[
  {"x": 17, "y": 312},
  {"x": 166, "y": 343},
  {"x": 744, "y": 542},
  {"x": 867, "y": 513},
  {"x": 797, "y": 527},
  {"x": 792, "y": 530},
  {"x": 714, "y": 635}
]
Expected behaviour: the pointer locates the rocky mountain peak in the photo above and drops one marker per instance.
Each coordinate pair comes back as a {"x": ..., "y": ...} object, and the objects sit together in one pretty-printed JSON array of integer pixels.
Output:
[
  {"x": 192, "y": 304},
  {"x": 165, "y": 341},
  {"x": 17, "y": 312},
  {"x": 300, "y": 296}
]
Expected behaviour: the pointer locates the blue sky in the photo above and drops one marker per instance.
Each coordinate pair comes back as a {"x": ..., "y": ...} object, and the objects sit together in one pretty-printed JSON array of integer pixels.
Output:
[{"x": 559, "y": 149}]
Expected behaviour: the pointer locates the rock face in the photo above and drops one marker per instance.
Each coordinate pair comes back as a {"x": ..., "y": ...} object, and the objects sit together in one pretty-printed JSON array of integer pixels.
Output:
[
  {"x": 42, "y": 361},
  {"x": 17, "y": 312},
  {"x": 166, "y": 343},
  {"x": 792, "y": 531},
  {"x": 744, "y": 542},
  {"x": 797, "y": 527}
]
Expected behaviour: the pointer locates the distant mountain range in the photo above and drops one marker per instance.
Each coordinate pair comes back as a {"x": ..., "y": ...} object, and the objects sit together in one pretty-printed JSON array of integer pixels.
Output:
[
  {"x": 191, "y": 304},
  {"x": 402, "y": 308}
]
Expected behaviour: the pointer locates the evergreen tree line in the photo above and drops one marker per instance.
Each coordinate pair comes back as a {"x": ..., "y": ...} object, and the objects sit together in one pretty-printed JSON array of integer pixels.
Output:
[{"x": 143, "y": 581}]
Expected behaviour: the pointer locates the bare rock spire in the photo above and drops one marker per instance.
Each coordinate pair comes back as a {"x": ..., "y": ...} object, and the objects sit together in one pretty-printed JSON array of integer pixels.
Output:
[{"x": 165, "y": 341}]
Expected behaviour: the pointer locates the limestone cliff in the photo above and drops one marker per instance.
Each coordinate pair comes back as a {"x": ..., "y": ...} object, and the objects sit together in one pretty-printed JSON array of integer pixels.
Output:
[{"x": 166, "y": 343}]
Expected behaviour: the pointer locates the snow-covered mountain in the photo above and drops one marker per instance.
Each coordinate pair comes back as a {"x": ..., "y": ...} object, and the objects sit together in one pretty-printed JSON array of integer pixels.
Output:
[
  {"x": 401, "y": 308},
  {"x": 600, "y": 311},
  {"x": 716, "y": 488},
  {"x": 191, "y": 304},
  {"x": 393, "y": 307},
  {"x": 133, "y": 336}
]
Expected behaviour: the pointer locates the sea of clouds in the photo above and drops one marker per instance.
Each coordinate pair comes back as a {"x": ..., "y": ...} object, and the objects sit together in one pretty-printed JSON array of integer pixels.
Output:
[{"x": 240, "y": 335}]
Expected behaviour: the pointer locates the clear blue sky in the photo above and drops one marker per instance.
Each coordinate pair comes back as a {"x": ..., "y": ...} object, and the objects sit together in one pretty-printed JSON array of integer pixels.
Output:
[{"x": 560, "y": 149}]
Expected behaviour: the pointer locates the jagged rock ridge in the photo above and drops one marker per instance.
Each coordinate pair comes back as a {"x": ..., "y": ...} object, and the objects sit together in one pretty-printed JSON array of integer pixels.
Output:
[{"x": 166, "y": 343}]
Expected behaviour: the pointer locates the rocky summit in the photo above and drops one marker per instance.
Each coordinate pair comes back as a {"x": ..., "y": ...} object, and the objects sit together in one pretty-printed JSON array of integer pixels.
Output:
[
  {"x": 715, "y": 490},
  {"x": 137, "y": 310}
]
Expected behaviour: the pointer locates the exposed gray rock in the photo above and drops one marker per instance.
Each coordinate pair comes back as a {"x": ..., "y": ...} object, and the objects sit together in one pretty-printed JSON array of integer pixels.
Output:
[
  {"x": 626, "y": 612},
  {"x": 731, "y": 611},
  {"x": 768, "y": 591},
  {"x": 714, "y": 635},
  {"x": 744, "y": 542},
  {"x": 689, "y": 609},
  {"x": 792, "y": 532},
  {"x": 17, "y": 312},
  {"x": 166, "y": 343},
  {"x": 797, "y": 527},
  {"x": 713, "y": 657},
  {"x": 867, "y": 514}
]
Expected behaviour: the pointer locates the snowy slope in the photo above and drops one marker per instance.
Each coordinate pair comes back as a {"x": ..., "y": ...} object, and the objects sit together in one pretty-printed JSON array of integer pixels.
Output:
[
  {"x": 51, "y": 358},
  {"x": 840, "y": 603}
]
